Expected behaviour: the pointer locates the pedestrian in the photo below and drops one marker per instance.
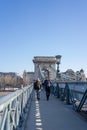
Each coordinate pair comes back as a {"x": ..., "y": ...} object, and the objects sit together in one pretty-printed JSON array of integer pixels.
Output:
[
  {"x": 47, "y": 84},
  {"x": 37, "y": 87}
]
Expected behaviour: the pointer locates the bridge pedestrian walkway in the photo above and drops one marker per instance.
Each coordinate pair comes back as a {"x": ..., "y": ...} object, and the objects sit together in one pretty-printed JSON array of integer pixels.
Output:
[{"x": 53, "y": 115}]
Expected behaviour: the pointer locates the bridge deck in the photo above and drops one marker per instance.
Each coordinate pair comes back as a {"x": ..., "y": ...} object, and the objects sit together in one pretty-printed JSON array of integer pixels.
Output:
[{"x": 53, "y": 115}]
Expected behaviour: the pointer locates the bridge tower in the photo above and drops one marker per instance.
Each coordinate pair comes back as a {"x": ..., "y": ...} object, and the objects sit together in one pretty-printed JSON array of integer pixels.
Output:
[{"x": 45, "y": 66}]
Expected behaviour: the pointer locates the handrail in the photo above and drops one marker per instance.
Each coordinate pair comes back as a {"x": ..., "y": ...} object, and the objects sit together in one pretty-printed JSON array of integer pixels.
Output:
[
  {"x": 12, "y": 107},
  {"x": 75, "y": 93}
]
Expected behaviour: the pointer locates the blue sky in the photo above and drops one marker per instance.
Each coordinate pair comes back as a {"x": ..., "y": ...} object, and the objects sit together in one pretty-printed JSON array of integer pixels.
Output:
[{"x": 31, "y": 28}]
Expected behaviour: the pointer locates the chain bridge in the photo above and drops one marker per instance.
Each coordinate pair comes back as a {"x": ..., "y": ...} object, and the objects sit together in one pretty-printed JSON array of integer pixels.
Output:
[
  {"x": 46, "y": 66},
  {"x": 20, "y": 110}
]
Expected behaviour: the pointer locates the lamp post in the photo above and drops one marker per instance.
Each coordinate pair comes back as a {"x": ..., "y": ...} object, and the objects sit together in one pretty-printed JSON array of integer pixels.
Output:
[{"x": 58, "y": 60}]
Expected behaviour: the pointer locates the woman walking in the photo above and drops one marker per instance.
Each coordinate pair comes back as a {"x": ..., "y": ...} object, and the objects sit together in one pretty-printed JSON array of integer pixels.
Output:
[{"x": 37, "y": 87}]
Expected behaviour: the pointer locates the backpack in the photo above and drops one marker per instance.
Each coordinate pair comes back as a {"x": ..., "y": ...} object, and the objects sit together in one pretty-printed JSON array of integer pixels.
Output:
[{"x": 38, "y": 85}]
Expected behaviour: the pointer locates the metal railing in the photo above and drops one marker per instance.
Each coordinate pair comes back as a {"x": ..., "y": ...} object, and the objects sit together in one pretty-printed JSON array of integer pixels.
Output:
[
  {"x": 13, "y": 108},
  {"x": 74, "y": 93}
]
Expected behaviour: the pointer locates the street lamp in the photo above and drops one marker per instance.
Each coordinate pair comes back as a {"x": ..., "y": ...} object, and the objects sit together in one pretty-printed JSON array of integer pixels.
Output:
[{"x": 58, "y": 60}]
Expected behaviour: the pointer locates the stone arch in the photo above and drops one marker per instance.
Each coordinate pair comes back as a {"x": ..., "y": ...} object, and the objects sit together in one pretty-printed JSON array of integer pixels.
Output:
[{"x": 46, "y": 64}]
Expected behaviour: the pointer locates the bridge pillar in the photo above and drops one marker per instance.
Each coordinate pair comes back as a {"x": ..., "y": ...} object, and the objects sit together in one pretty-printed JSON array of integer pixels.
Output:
[{"x": 45, "y": 66}]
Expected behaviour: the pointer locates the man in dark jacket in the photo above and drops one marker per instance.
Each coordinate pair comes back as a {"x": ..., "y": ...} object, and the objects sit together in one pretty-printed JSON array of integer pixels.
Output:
[{"x": 47, "y": 84}]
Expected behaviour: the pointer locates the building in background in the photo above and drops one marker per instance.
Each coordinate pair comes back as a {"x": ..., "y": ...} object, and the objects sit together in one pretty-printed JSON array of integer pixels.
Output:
[{"x": 10, "y": 80}]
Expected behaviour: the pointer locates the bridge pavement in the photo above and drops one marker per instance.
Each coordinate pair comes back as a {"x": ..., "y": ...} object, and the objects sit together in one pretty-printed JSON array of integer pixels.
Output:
[{"x": 53, "y": 115}]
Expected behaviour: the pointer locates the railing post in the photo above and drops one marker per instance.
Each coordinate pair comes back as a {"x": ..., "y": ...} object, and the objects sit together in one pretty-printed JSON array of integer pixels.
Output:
[
  {"x": 62, "y": 94},
  {"x": 17, "y": 114},
  {"x": 58, "y": 94},
  {"x": 8, "y": 118},
  {"x": 67, "y": 93}
]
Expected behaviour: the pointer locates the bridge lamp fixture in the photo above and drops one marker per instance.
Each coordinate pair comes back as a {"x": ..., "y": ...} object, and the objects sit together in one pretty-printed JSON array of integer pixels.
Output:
[{"x": 58, "y": 60}]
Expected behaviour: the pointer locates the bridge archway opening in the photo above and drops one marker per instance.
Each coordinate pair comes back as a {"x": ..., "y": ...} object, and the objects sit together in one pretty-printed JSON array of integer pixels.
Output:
[
  {"x": 45, "y": 66},
  {"x": 45, "y": 72}
]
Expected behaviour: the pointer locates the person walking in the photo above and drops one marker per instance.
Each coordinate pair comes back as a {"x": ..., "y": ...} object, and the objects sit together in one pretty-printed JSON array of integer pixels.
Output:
[
  {"x": 47, "y": 84},
  {"x": 37, "y": 87}
]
